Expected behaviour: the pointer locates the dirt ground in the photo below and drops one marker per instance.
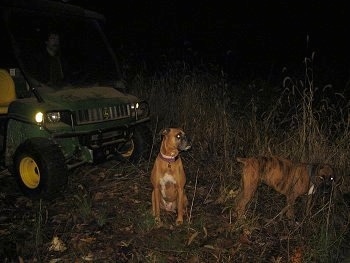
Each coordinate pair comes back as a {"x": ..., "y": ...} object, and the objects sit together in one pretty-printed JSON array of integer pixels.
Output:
[{"x": 104, "y": 216}]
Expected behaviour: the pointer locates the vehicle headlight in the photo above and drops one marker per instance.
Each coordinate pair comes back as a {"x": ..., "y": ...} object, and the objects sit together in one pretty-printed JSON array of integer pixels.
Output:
[
  {"x": 39, "y": 117},
  {"x": 48, "y": 117},
  {"x": 53, "y": 117},
  {"x": 142, "y": 109}
]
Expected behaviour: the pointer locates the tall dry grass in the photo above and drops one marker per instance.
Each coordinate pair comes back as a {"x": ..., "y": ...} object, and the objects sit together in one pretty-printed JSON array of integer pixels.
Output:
[{"x": 296, "y": 120}]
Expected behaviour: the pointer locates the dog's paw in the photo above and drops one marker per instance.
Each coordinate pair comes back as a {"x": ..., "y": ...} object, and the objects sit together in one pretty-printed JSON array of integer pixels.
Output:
[
  {"x": 159, "y": 224},
  {"x": 157, "y": 221},
  {"x": 179, "y": 221}
]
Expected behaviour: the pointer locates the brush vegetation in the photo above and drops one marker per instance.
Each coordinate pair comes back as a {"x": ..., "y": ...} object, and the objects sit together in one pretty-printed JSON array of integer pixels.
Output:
[
  {"x": 105, "y": 214},
  {"x": 296, "y": 119}
]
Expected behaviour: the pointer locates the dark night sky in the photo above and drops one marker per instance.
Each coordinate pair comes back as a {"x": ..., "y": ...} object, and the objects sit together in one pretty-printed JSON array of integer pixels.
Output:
[{"x": 254, "y": 30}]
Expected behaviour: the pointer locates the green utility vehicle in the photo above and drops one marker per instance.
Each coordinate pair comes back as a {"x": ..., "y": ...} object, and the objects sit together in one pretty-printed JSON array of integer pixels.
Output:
[{"x": 46, "y": 128}]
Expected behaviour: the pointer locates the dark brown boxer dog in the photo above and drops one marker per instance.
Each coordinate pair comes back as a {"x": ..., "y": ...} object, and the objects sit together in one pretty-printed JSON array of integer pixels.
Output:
[
  {"x": 288, "y": 178},
  {"x": 168, "y": 176}
]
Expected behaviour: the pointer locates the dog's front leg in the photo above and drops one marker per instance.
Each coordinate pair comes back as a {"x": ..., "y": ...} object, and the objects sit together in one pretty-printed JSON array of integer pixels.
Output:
[
  {"x": 249, "y": 184},
  {"x": 156, "y": 204},
  {"x": 242, "y": 201},
  {"x": 180, "y": 206},
  {"x": 290, "y": 208},
  {"x": 308, "y": 205}
]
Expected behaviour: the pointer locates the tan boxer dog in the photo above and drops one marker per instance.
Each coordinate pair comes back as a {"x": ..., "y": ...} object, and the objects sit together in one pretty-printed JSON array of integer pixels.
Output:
[
  {"x": 168, "y": 176},
  {"x": 290, "y": 179}
]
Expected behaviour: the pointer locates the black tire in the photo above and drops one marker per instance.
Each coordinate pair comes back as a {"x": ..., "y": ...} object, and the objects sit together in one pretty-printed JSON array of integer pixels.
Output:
[
  {"x": 139, "y": 147},
  {"x": 40, "y": 169}
]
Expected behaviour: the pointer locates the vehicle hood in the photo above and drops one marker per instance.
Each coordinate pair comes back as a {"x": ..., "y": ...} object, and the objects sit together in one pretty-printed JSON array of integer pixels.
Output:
[{"x": 77, "y": 98}]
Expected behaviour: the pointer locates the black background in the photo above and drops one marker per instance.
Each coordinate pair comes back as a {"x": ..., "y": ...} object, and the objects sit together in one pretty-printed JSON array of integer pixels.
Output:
[{"x": 256, "y": 34}]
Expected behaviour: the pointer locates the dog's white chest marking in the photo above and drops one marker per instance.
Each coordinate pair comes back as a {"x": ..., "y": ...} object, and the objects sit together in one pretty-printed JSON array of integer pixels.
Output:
[
  {"x": 311, "y": 190},
  {"x": 167, "y": 178}
]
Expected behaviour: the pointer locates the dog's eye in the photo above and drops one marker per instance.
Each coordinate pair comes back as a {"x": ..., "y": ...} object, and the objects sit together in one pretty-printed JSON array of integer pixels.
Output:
[{"x": 178, "y": 136}]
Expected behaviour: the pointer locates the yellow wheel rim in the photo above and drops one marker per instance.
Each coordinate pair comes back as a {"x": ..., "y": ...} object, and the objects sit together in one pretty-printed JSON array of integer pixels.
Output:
[
  {"x": 29, "y": 172},
  {"x": 129, "y": 147}
]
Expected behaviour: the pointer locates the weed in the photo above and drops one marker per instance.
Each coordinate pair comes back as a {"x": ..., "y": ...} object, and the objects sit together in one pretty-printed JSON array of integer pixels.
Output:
[{"x": 83, "y": 207}]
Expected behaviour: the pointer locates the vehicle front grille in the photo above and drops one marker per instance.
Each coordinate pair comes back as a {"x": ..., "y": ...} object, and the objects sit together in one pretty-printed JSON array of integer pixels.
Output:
[{"x": 102, "y": 114}]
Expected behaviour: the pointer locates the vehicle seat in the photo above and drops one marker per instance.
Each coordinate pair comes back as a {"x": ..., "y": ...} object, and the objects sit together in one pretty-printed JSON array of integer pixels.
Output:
[{"x": 7, "y": 90}]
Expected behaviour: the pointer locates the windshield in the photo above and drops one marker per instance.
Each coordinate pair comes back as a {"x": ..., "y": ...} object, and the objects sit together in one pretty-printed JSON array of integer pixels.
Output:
[{"x": 61, "y": 51}]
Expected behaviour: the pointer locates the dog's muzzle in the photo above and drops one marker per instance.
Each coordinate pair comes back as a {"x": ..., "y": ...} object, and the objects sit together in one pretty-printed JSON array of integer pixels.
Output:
[
  {"x": 185, "y": 143},
  {"x": 327, "y": 185}
]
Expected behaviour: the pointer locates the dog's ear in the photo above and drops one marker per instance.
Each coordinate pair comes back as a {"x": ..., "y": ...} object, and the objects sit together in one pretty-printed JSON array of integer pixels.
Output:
[{"x": 165, "y": 131}]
